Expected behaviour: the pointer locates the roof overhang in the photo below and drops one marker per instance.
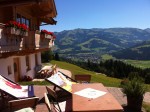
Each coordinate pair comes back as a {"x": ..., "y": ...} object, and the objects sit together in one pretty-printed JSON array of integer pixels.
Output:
[
  {"x": 48, "y": 21},
  {"x": 44, "y": 10},
  {"x": 7, "y": 3}
]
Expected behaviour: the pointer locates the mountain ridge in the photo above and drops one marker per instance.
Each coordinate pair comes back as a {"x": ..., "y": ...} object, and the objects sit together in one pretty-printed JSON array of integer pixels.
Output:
[{"x": 98, "y": 40}]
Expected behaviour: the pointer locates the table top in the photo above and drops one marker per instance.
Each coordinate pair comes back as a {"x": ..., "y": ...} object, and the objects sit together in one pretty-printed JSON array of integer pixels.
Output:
[{"x": 102, "y": 103}]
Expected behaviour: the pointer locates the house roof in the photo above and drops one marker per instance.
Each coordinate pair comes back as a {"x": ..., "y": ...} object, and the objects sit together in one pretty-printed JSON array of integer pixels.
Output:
[{"x": 44, "y": 10}]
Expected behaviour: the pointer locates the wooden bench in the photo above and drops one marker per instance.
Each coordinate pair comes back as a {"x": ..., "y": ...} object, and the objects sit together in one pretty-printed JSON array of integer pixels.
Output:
[{"x": 83, "y": 78}]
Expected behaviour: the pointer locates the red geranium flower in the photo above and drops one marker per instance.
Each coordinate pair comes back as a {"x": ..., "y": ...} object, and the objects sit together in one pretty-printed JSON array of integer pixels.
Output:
[
  {"x": 48, "y": 32},
  {"x": 17, "y": 25}
]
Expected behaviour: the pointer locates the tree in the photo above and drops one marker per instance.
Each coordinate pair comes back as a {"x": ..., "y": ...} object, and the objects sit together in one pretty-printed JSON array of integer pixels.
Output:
[
  {"x": 147, "y": 78},
  {"x": 89, "y": 63},
  {"x": 57, "y": 57},
  {"x": 46, "y": 56}
]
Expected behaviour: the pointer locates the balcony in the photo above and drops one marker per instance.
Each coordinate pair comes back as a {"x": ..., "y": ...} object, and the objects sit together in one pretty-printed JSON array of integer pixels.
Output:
[
  {"x": 8, "y": 42},
  {"x": 42, "y": 41},
  {"x": 12, "y": 43}
]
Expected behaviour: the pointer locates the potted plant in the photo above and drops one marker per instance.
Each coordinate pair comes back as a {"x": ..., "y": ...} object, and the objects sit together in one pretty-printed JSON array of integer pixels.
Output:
[{"x": 134, "y": 90}]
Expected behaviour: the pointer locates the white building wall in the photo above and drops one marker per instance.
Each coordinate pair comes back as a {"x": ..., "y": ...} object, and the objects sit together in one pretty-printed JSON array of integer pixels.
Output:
[
  {"x": 31, "y": 72},
  {"x": 23, "y": 67},
  {"x": 39, "y": 58},
  {"x": 4, "y": 63}
]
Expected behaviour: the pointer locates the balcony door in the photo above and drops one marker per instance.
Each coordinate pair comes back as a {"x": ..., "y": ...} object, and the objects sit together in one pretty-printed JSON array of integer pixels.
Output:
[{"x": 16, "y": 69}]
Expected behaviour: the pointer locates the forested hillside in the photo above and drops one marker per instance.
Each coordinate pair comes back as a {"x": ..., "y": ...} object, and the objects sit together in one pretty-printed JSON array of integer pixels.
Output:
[{"x": 139, "y": 52}]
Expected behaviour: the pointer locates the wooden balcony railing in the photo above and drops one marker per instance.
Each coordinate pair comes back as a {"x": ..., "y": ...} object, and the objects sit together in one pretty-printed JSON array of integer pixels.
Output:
[
  {"x": 9, "y": 43},
  {"x": 42, "y": 42},
  {"x": 13, "y": 43}
]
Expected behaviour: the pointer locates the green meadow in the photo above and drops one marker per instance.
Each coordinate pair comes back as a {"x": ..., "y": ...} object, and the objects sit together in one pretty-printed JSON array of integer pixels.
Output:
[{"x": 139, "y": 63}]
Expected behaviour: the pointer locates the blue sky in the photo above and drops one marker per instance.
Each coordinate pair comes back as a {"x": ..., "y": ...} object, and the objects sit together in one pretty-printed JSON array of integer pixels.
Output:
[{"x": 88, "y": 14}]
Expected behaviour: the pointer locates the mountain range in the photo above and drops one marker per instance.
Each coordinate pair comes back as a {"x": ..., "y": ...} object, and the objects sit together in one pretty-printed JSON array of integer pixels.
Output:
[{"x": 98, "y": 41}]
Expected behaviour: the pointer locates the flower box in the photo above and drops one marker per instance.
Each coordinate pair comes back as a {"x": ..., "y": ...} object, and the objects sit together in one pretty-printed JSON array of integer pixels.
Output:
[
  {"x": 24, "y": 33},
  {"x": 17, "y": 31},
  {"x": 48, "y": 36},
  {"x": 13, "y": 31},
  {"x": 16, "y": 28}
]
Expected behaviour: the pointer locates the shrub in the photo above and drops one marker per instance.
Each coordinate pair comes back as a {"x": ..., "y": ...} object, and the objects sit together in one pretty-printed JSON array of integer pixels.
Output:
[
  {"x": 133, "y": 75},
  {"x": 27, "y": 78}
]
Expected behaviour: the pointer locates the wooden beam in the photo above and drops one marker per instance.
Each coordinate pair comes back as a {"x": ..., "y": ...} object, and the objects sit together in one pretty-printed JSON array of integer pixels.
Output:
[{"x": 22, "y": 52}]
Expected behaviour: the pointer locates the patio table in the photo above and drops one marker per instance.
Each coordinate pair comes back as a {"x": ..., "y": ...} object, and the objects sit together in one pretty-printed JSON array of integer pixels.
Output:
[{"x": 103, "y": 102}]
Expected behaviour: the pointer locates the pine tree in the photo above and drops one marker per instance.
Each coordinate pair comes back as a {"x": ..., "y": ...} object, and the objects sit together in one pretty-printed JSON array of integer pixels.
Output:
[{"x": 57, "y": 57}]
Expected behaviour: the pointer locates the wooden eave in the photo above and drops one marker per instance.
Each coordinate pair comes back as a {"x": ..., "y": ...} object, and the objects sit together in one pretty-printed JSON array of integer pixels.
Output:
[{"x": 44, "y": 10}]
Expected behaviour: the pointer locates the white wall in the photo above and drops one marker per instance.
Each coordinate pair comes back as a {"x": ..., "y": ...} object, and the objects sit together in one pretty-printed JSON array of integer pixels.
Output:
[
  {"x": 39, "y": 58},
  {"x": 4, "y": 63},
  {"x": 22, "y": 66},
  {"x": 32, "y": 66}
]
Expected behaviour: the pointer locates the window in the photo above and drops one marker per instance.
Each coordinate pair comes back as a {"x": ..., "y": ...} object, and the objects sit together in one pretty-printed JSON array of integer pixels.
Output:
[
  {"x": 9, "y": 70},
  {"x": 27, "y": 63},
  {"x": 18, "y": 18},
  {"x": 22, "y": 19},
  {"x": 28, "y": 22}
]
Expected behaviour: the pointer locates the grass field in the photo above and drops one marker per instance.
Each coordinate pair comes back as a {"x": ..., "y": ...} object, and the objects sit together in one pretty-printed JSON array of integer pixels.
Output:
[
  {"x": 139, "y": 63},
  {"x": 106, "y": 57}
]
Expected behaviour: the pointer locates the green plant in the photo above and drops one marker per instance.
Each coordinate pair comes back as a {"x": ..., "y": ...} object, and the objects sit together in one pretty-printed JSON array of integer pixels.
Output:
[{"x": 134, "y": 90}]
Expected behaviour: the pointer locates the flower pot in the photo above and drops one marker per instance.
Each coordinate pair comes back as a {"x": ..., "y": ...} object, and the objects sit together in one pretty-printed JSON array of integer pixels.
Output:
[
  {"x": 12, "y": 31},
  {"x": 135, "y": 103},
  {"x": 48, "y": 36},
  {"x": 25, "y": 33}
]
